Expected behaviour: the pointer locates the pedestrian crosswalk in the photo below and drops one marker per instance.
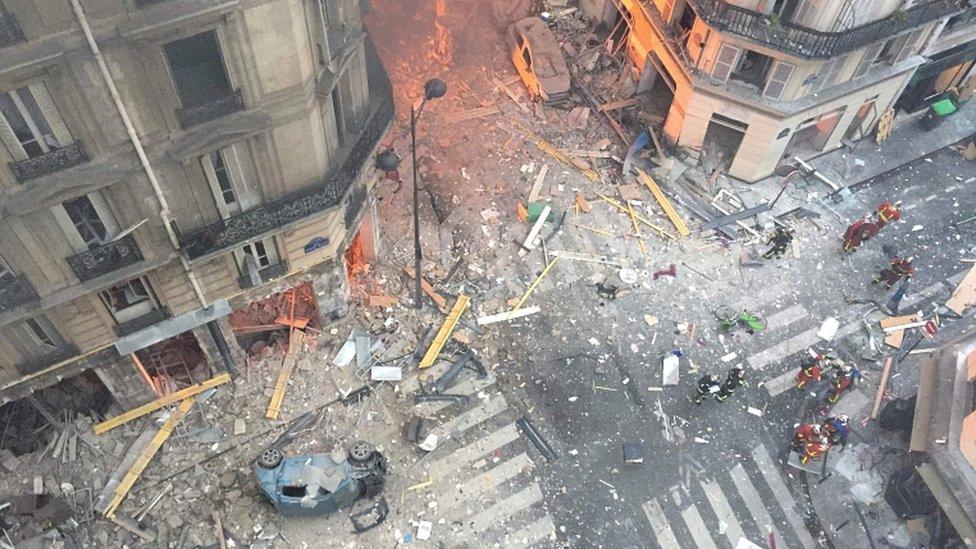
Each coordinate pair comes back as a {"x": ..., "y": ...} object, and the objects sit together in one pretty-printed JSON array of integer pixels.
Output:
[
  {"x": 481, "y": 473},
  {"x": 738, "y": 507}
]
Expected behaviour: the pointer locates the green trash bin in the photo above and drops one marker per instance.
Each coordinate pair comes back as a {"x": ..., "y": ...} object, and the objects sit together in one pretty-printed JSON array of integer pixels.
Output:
[{"x": 937, "y": 113}]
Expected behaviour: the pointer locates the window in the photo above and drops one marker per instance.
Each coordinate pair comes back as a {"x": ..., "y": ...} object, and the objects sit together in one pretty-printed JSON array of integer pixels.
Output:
[
  {"x": 231, "y": 180},
  {"x": 40, "y": 336},
  {"x": 30, "y": 125},
  {"x": 870, "y": 54},
  {"x": 778, "y": 78},
  {"x": 294, "y": 491},
  {"x": 828, "y": 73},
  {"x": 129, "y": 300},
  {"x": 752, "y": 69},
  {"x": 911, "y": 43},
  {"x": 527, "y": 57},
  {"x": 726, "y": 59},
  {"x": 197, "y": 69},
  {"x": 86, "y": 221},
  {"x": 257, "y": 255}
]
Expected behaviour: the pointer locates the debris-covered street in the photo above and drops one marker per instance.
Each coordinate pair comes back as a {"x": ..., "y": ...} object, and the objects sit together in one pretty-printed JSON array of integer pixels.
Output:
[{"x": 581, "y": 276}]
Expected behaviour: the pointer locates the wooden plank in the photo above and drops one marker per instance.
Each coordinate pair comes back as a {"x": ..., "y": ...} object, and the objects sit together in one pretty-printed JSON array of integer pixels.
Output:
[
  {"x": 891, "y": 321},
  {"x": 640, "y": 218},
  {"x": 529, "y": 243},
  {"x": 507, "y": 315},
  {"x": 134, "y": 472},
  {"x": 445, "y": 331},
  {"x": 383, "y": 300},
  {"x": 964, "y": 294},
  {"x": 479, "y": 112},
  {"x": 160, "y": 403},
  {"x": 132, "y": 526},
  {"x": 429, "y": 290},
  {"x": 511, "y": 95},
  {"x": 882, "y": 385},
  {"x": 618, "y": 104},
  {"x": 284, "y": 374},
  {"x": 535, "y": 283},
  {"x": 540, "y": 178},
  {"x": 894, "y": 339},
  {"x": 583, "y": 203},
  {"x": 665, "y": 203}
]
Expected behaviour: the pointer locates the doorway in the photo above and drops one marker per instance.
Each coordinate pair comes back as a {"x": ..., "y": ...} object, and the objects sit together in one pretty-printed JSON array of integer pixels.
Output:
[
  {"x": 812, "y": 135},
  {"x": 656, "y": 88},
  {"x": 723, "y": 137},
  {"x": 863, "y": 120},
  {"x": 173, "y": 364}
]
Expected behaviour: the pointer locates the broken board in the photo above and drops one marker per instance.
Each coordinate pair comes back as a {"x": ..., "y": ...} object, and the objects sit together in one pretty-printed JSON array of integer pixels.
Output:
[
  {"x": 160, "y": 403},
  {"x": 665, "y": 203},
  {"x": 965, "y": 294},
  {"x": 445, "y": 331},
  {"x": 287, "y": 366},
  {"x": 429, "y": 290}
]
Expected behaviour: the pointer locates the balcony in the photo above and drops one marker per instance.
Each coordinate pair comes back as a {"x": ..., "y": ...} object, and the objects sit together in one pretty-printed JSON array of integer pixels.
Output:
[
  {"x": 152, "y": 317},
  {"x": 811, "y": 43},
  {"x": 10, "y": 33},
  {"x": 105, "y": 258},
  {"x": 54, "y": 161},
  {"x": 16, "y": 291},
  {"x": 326, "y": 194},
  {"x": 38, "y": 363},
  {"x": 218, "y": 107}
]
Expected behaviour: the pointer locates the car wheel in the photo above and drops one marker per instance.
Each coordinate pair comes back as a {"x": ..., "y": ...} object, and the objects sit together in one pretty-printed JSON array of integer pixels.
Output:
[
  {"x": 361, "y": 451},
  {"x": 270, "y": 458}
]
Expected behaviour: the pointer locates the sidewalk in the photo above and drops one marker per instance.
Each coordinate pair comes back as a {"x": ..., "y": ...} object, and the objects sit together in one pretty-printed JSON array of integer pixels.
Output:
[{"x": 866, "y": 161}]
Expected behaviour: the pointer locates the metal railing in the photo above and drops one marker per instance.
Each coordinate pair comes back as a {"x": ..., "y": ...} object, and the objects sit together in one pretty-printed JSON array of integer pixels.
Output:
[
  {"x": 38, "y": 363},
  {"x": 140, "y": 323},
  {"x": 54, "y": 161},
  {"x": 15, "y": 291},
  {"x": 217, "y": 107},
  {"x": 10, "y": 32},
  {"x": 105, "y": 258},
  {"x": 796, "y": 39},
  {"x": 325, "y": 194}
]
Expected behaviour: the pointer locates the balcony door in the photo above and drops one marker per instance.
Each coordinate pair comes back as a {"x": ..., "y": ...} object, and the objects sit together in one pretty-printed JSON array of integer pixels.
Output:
[
  {"x": 30, "y": 125},
  {"x": 130, "y": 300},
  {"x": 86, "y": 221},
  {"x": 37, "y": 342},
  {"x": 197, "y": 68},
  {"x": 231, "y": 178}
]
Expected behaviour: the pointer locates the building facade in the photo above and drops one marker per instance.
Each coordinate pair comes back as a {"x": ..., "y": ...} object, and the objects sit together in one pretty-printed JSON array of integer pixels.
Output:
[
  {"x": 165, "y": 163},
  {"x": 755, "y": 82},
  {"x": 950, "y": 63}
]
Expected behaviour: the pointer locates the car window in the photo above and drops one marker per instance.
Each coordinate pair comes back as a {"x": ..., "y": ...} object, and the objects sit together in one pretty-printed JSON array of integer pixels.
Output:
[
  {"x": 294, "y": 491},
  {"x": 527, "y": 57},
  {"x": 520, "y": 40}
]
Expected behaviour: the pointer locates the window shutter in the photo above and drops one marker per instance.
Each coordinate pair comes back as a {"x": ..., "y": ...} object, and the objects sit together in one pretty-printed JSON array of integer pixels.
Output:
[
  {"x": 208, "y": 170},
  {"x": 828, "y": 73},
  {"x": 727, "y": 56},
  {"x": 910, "y": 45},
  {"x": 50, "y": 113},
  {"x": 245, "y": 186},
  {"x": 870, "y": 54},
  {"x": 10, "y": 140},
  {"x": 778, "y": 77},
  {"x": 68, "y": 228}
]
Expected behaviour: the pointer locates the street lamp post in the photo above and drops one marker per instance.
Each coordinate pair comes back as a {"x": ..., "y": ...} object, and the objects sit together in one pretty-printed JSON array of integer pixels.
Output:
[{"x": 433, "y": 89}]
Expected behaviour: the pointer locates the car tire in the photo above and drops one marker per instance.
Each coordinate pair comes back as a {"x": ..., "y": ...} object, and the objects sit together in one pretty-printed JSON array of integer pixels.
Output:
[
  {"x": 270, "y": 458},
  {"x": 361, "y": 452}
]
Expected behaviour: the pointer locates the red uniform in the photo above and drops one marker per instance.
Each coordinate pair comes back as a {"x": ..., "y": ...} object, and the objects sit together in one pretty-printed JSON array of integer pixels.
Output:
[
  {"x": 814, "y": 450},
  {"x": 900, "y": 268},
  {"x": 857, "y": 233},
  {"x": 810, "y": 372},
  {"x": 888, "y": 212},
  {"x": 805, "y": 434}
]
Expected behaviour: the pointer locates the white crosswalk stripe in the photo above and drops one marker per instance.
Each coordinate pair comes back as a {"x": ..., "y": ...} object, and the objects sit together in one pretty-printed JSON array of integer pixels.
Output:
[
  {"x": 659, "y": 524},
  {"x": 695, "y": 524},
  {"x": 481, "y": 447},
  {"x": 796, "y": 344},
  {"x": 782, "y": 494},
  {"x": 785, "y": 317},
  {"x": 781, "y": 383},
  {"x": 505, "y": 509},
  {"x": 529, "y": 535},
  {"x": 752, "y": 500},
  {"x": 719, "y": 503}
]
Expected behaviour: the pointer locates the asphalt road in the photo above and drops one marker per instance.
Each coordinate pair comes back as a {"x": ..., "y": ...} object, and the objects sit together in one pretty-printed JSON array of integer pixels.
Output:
[{"x": 592, "y": 369}]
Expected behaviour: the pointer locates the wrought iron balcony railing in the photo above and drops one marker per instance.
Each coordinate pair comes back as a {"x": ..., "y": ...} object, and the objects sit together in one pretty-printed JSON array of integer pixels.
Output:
[
  {"x": 218, "y": 107},
  {"x": 38, "y": 363},
  {"x": 15, "y": 291},
  {"x": 10, "y": 33},
  {"x": 327, "y": 193},
  {"x": 152, "y": 317},
  {"x": 803, "y": 41},
  {"x": 105, "y": 258},
  {"x": 54, "y": 161}
]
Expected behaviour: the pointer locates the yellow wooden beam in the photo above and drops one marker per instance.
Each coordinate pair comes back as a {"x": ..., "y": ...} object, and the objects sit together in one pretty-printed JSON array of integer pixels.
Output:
[
  {"x": 665, "y": 203},
  {"x": 132, "y": 475},
  {"x": 150, "y": 407},
  {"x": 445, "y": 332},
  {"x": 637, "y": 231},
  {"x": 663, "y": 233},
  {"x": 287, "y": 366},
  {"x": 535, "y": 283}
]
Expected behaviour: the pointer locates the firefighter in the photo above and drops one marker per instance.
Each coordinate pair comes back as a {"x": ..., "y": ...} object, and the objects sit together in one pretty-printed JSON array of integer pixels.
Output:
[
  {"x": 836, "y": 429},
  {"x": 805, "y": 434},
  {"x": 888, "y": 212},
  {"x": 810, "y": 372},
  {"x": 814, "y": 450},
  {"x": 900, "y": 268},
  {"x": 707, "y": 385},
  {"x": 780, "y": 240},
  {"x": 735, "y": 378},
  {"x": 845, "y": 375},
  {"x": 859, "y": 232}
]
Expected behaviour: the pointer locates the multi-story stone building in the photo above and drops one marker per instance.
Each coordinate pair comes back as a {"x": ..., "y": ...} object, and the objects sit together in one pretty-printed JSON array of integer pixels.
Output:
[
  {"x": 950, "y": 62},
  {"x": 164, "y": 163},
  {"x": 757, "y": 81}
]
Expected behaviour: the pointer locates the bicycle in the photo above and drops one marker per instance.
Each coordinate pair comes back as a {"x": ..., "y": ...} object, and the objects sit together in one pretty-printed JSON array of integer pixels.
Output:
[{"x": 729, "y": 319}]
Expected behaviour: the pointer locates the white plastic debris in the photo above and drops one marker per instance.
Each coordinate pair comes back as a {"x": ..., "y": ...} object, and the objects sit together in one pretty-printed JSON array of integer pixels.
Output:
[
  {"x": 828, "y": 329},
  {"x": 424, "y": 528}
]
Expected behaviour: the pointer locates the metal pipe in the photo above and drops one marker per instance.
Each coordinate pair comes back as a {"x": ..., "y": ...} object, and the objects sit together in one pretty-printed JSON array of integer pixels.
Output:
[
  {"x": 164, "y": 212},
  {"x": 417, "y": 254}
]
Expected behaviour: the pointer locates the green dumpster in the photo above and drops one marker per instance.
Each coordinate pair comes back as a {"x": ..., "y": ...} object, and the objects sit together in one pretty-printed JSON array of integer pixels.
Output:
[{"x": 937, "y": 113}]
